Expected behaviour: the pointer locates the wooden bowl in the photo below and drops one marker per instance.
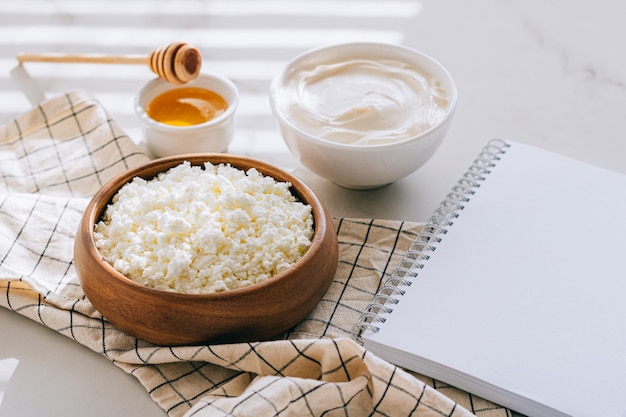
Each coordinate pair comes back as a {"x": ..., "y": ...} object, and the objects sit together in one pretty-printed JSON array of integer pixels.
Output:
[{"x": 254, "y": 313}]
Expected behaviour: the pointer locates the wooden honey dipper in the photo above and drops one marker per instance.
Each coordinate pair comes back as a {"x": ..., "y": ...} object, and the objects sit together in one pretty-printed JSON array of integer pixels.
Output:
[{"x": 176, "y": 63}]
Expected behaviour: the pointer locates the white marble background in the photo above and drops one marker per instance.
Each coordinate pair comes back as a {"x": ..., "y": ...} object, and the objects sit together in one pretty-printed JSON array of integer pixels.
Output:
[
  {"x": 550, "y": 73},
  {"x": 546, "y": 72}
]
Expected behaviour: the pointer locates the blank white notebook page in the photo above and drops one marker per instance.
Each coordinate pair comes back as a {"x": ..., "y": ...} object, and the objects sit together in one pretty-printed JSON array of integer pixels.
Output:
[{"x": 527, "y": 290}]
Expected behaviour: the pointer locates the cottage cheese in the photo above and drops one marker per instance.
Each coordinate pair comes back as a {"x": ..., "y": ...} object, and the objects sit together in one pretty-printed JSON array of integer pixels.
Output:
[{"x": 204, "y": 229}]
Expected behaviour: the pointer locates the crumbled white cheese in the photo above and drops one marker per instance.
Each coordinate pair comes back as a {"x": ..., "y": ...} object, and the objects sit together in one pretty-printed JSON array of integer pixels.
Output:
[{"x": 197, "y": 229}]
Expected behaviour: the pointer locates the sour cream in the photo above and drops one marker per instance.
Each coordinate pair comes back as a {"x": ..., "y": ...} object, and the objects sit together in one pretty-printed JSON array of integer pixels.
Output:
[{"x": 363, "y": 102}]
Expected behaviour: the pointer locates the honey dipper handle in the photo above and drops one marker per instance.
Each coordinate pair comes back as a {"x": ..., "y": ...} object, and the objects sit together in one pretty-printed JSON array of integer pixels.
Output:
[{"x": 83, "y": 58}]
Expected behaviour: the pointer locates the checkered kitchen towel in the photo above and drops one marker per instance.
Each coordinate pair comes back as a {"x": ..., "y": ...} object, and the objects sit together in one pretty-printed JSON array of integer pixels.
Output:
[{"x": 53, "y": 158}]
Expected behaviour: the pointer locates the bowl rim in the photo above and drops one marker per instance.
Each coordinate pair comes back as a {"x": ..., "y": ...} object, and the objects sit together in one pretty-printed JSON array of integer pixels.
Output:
[
  {"x": 277, "y": 83},
  {"x": 165, "y": 86},
  {"x": 103, "y": 196}
]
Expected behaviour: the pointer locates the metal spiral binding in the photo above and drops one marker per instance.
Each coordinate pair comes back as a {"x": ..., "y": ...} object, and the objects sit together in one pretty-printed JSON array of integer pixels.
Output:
[{"x": 426, "y": 241}]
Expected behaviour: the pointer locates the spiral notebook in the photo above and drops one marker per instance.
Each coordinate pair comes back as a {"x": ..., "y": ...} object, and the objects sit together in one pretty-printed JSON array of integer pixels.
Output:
[{"x": 516, "y": 288}]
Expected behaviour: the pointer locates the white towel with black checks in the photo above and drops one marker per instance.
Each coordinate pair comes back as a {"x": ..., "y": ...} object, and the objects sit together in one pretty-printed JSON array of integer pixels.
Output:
[{"x": 54, "y": 157}]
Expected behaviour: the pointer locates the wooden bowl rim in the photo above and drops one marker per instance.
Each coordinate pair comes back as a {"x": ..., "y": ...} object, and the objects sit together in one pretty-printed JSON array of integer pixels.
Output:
[{"x": 96, "y": 208}]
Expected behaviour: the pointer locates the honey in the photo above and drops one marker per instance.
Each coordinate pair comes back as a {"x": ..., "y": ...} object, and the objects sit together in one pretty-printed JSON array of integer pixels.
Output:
[{"x": 186, "y": 106}]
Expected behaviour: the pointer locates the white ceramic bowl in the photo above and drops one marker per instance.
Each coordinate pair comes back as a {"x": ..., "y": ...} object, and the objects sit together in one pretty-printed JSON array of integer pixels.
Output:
[
  {"x": 362, "y": 166},
  {"x": 210, "y": 137}
]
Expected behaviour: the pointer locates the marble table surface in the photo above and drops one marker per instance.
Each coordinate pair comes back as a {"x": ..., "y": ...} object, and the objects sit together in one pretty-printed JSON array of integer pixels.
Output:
[{"x": 547, "y": 73}]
